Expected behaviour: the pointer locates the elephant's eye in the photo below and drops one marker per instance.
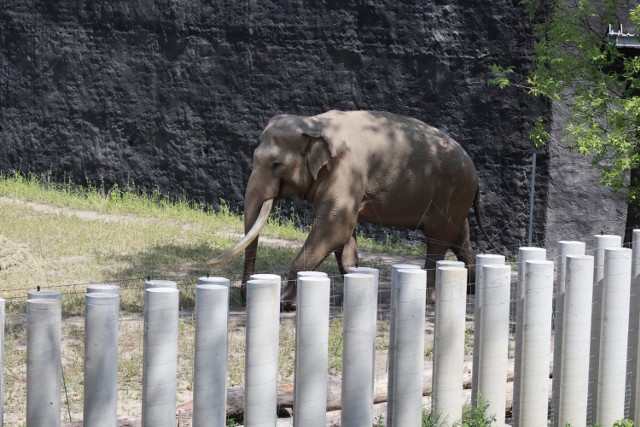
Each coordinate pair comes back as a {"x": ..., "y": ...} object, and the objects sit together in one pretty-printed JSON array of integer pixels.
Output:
[{"x": 275, "y": 166}]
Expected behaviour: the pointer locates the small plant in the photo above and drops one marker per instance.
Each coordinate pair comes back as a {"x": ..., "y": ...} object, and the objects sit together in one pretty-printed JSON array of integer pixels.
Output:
[
  {"x": 380, "y": 421},
  {"x": 468, "y": 340},
  {"x": 619, "y": 423},
  {"x": 335, "y": 344},
  {"x": 432, "y": 419},
  {"x": 472, "y": 416},
  {"x": 232, "y": 422},
  {"x": 475, "y": 416},
  {"x": 428, "y": 352}
]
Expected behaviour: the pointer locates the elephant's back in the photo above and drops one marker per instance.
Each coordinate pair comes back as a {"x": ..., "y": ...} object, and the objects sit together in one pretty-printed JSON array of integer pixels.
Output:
[{"x": 413, "y": 168}]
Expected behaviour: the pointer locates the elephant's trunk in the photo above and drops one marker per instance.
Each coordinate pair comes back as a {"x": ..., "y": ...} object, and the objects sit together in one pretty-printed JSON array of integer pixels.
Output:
[{"x": 250, "y": 240}]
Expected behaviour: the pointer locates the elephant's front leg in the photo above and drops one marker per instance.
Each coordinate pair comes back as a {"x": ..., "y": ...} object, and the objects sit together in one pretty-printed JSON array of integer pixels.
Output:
[
  {"x": 332, "y": 231},
  {"x": 347, "y": 256}
]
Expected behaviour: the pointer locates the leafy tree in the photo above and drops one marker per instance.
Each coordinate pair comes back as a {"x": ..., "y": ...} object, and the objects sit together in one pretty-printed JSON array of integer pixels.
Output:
[{"x": 578, "y": 66}]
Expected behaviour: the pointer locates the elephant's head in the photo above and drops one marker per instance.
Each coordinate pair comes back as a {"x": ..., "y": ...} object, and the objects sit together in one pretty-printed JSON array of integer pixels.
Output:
[{"x": 287, "y": 162}]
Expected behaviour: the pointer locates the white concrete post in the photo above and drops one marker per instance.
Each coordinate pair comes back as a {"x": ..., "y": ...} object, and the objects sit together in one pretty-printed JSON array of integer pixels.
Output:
[
  {"x": 524, "y": 254},
  {"x": 102, "y": 311},
  {"x": 613, "y": 336},
  {"x": 634, "y": 327},
  {"x": 359, "y": 305},
  {"x": 312, "y": 352},
  {"x": 536, "y": 344},
  {"x": 160, "y": 357},
  {"x": 44, "y": 363},
  {"x": 601, "y": 242},
  {"x": 565, "y": 248},
  {"x": 312, "y": 273},
  {"x": 366, "y": 270},
  {"x": 411, "y": 295},
  {"x": 261, "y": 359},
  {"x": 478, "y": 339},
  {"x": 449, "y": 263},
  {"x": 494, "y": 347},
  {"x": 210, "y": 358},
  {"x": 2, "y": 325},
  {"x": 44, "y": 294},
  {"x": 103, "y": 289},
  {"x": 574, "y": 374},
  {"x": 448, "y": 347},
  {"x": 390, "y": 350},
  {"x": 213, "y": 280},
  {"x": 274, "y": 278},
  {"x": 154, "y": 283},
  {"x": 376, "y": 280}
]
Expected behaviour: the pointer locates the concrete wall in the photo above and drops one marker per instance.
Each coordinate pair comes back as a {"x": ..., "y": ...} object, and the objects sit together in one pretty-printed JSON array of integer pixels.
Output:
[
  {"x": 578, "y": 206},
  {"x": 174, "y": 94}
]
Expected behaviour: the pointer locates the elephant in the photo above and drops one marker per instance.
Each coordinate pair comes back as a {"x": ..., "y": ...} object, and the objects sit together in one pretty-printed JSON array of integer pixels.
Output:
[{"x": 373, "y": 166}]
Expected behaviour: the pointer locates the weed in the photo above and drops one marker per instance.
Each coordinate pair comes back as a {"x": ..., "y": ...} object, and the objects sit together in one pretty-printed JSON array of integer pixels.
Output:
[
  {"x": 472, "y": 416},
  {"x": 335, "y": 344},
  {"x": 428, "y": 352},
  {"x": 468, "y": 340},
  {"x": 476, "y": 416}
]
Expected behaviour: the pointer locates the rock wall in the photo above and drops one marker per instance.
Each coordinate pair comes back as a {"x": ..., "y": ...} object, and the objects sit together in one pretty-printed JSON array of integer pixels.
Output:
[
  {"x": 578, "y": 206},
  {"x": 174, "y": 94}
]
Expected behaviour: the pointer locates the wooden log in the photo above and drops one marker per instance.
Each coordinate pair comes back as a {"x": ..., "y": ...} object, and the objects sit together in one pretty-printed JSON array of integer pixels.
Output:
[{"x": 235, "y": 396}]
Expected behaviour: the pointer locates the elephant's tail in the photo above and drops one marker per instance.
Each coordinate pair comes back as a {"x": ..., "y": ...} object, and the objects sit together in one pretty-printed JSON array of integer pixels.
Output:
[{"x": 478, "y": 213}]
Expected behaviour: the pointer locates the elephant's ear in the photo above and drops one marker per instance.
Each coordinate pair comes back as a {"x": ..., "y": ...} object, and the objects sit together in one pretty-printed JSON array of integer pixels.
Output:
[{"x": 319, "y": 152}]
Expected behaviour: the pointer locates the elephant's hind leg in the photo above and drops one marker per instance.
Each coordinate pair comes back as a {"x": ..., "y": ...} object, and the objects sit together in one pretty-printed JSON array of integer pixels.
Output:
[
  {"x": 465, "y": 253},
  {"x": 436, "y": 249}
]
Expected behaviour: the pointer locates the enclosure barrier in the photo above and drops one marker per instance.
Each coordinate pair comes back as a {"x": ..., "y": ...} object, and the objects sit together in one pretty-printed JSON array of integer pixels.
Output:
[
  {"x": 481, "y": 261},
  {"x": 392, "y": 330},
  {"x": 210, "y": 356},
  {"x": 634, "y": 324},
  {"x": 565, "y": 248},
  {"x": 408, "y": 347},
  {"x": 580, "y": 279},
  {"x": 601, "y": 242},
  {"x": 448, "y": 352},
  {"x": 536, "y": 341},
  {"x": 357, "y": 359},
  {"x": 261, "y": 360},
  {"x": 494, "y": 289},
  {"x": 524, "y": 254},
  {"x": 101, "y": 315},
  {"x": 312, "y": 357},
  {"x": 44, "y": 323},
  {"x": 613, "y": 336},
  {"x": 160, "y": 357},
  {"x": 573, "y": 369}
]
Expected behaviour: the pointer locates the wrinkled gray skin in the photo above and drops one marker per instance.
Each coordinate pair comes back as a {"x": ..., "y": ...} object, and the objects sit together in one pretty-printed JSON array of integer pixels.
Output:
[{"x": 364, "y": 165}]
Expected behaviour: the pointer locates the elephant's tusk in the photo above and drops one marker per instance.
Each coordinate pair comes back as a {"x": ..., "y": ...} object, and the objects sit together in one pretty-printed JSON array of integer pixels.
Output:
[{"x": 249, "y": 237}]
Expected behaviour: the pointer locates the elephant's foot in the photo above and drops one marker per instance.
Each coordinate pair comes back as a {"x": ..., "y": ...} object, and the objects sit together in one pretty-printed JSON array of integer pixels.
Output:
[
  {"x": 243, "y": 291},
  {"x": 431, "y": 295},
  {"x": 288, "y": 297}
]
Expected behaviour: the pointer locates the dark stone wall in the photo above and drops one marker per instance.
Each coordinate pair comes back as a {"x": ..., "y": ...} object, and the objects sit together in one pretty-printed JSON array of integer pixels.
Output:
[{"x": 174, "y": 94}]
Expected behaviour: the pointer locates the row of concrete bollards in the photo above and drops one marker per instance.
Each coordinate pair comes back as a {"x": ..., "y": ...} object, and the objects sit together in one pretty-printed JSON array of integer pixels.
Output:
[{"x": 592, "y": 321}]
